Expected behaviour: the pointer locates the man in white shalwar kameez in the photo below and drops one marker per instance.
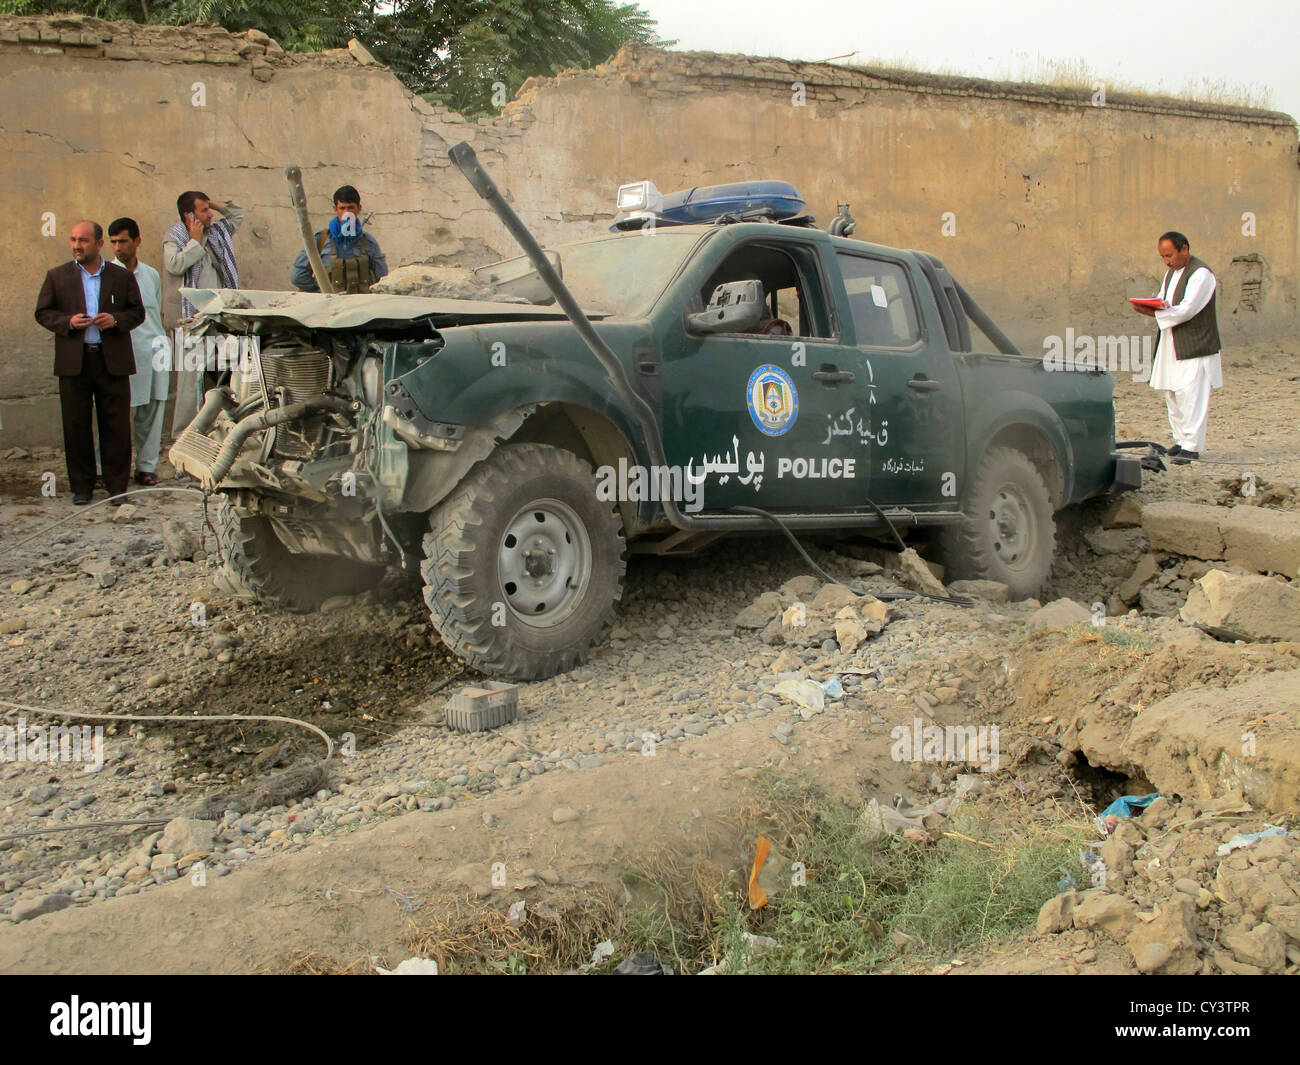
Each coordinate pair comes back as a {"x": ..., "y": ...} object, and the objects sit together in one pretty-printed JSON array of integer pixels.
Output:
[
  {"x": 152, "y": 353},
  {"x": 1187, "y": 364}
]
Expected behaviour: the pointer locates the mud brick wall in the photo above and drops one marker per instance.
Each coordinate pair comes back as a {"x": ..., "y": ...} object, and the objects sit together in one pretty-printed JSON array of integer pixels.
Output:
[{"x": 1056, "y": 203}]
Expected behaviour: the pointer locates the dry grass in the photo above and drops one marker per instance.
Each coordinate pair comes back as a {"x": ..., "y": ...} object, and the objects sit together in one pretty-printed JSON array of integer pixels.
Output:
[
  {"x": 1077, "y": 74},
  {"x": 314, "y": 963},
  {"x": 870, "y": 903},
  {"x": 553, "y": 936},
  {"x": 1116, "y": 647}
]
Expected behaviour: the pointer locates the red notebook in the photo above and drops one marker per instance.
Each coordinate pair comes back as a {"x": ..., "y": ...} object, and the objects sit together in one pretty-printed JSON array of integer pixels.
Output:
[{"x": 1154, "y": 304}]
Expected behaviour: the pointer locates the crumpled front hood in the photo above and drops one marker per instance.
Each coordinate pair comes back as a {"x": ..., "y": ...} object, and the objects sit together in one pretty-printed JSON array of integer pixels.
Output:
[{"x": 237, "y": 309}]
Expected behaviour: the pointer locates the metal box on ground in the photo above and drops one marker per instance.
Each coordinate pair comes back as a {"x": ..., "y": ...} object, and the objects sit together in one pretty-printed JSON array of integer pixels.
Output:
[{"x": 479, "y": 709}]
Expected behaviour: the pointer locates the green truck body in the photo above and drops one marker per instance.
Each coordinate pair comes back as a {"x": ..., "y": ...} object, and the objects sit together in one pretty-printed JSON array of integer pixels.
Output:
[{"x": 862, "y": 390}]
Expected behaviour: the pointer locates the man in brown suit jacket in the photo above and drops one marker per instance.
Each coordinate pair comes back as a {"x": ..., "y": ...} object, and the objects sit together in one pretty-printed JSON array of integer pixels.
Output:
[{"x": 91, "y": 306}]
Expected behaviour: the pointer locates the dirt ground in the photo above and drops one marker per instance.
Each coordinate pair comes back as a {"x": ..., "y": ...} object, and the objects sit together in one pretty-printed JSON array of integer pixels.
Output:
[{"x": 656, "y": 746}]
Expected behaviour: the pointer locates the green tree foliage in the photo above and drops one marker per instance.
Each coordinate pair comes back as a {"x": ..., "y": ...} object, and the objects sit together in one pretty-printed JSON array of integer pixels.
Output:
[{"x": 457, "y": 52}]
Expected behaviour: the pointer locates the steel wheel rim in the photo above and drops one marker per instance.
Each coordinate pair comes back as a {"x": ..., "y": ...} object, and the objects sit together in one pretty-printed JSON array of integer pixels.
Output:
[
  {"x": 544, "y": 563},
  {"x": 1012, "y": 526}
]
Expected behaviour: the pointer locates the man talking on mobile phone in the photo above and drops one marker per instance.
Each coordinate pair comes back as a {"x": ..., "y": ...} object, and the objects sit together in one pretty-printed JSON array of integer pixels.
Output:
[{"x": 200, "y": 250}]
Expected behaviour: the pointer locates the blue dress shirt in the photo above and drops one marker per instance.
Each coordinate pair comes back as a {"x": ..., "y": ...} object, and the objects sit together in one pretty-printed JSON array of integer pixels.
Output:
[{"x": 90, "y": 286}]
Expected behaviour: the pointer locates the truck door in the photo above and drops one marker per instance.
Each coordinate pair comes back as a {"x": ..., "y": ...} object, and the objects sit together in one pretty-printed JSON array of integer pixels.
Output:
[
  {"x": 912, "y": 434},
  {"x": 745, "y": 414}
]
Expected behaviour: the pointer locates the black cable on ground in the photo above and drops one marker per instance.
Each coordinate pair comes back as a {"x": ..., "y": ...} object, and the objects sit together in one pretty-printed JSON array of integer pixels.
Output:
[
  {"x": 1142, "y": 443},
  {"x": 884, "y": 596},
  {"x": 156, "y": 822},
  {"x": 81, "y": 512}
]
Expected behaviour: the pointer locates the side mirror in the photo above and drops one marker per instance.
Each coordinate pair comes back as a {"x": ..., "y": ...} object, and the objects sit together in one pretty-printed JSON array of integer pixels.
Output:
[{"x": 734, "y": 307}]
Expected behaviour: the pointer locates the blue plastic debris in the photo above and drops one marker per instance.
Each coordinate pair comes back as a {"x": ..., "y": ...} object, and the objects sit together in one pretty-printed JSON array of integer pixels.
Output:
[{"x": 1129, "y": 805}]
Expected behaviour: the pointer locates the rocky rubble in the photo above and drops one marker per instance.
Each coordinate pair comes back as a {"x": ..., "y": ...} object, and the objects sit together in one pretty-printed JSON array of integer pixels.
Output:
[
  {"x": 442, "y": 282},
  {"x": 1205, "y": 562},
  {"x": 1179, "y": 905},
  {"x": 698, "y": 646}
]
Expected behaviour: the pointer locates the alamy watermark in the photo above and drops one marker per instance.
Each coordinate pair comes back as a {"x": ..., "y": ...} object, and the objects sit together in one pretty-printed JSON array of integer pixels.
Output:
[
  {"x": 919, "y": 742},
  {"x": 1086, "y": 352},
  {"x": 638, "y": 484},
  {"x": 56, "y": 743},
  {"x": 189, "y": 353}
]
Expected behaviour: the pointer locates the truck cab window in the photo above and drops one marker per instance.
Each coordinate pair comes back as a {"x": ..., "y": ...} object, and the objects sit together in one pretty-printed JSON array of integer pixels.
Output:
[
  {"x": 884, "y": 313},
  {"x": 792, "y": 289}
]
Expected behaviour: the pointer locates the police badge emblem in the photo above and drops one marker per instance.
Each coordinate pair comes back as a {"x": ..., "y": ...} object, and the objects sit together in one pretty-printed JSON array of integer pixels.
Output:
[{"x": 773, "y": 400}]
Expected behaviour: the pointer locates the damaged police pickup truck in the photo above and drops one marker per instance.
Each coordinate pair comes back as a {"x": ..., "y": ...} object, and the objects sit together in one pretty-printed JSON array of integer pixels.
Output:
[{"x": 712, "y": 366}]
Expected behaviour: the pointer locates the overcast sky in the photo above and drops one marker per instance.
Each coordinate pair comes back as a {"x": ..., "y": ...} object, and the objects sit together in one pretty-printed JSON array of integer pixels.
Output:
[{"x": 1158, "y": 46}]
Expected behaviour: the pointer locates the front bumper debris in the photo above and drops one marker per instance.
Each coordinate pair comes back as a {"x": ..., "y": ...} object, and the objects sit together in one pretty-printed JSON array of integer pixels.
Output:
[{"x": 1128, "y": 473}]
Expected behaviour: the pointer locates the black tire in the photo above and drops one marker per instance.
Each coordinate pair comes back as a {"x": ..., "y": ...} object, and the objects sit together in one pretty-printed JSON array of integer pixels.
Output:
[
  {"x": 1008, "y": 534},
  {"x": 258, "y": 564},
  {"x": 490, "y": 609}
]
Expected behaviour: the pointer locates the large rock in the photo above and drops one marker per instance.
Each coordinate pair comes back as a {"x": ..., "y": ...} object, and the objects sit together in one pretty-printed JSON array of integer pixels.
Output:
[
  {"x": 1114, "y": 541},
  {"x": 915, "y": 572},
  {"x": 992, "y": 591},
  {"x": 187, "y": 835},
  {"x": 1256, "y": 538},
  {"x": 25, "y": 911},
  {"x": 1168, "y": 943},
  {"x": 1060, "y": 614},
  {"x": 1147, "y": 569},
  {"x": 1118, "y": 856},
  {"x": 1122, "y": 512},
  {"x": 180, "y": 542},
  {"x": 1285, "y": 917},
  {"x": 1263, "y": 947},
  {"x": 361, "y": 53},
  {"x": 761, "y": 611},
  {"x": 1104, "y": 910},
  {"x": 1262, "y": 539},
  {"x": 1057, "y": 914},
  {"x": 849, "y": 631},
  {"x": 1243, "y": 607},
  {"x": 800, "y": 589},
  {"x": 1207, "y": 742},
  {"x": 833, "y": 596},
  {"x": 444, "y": 282},
  {"x": 1184, "y": 528}
]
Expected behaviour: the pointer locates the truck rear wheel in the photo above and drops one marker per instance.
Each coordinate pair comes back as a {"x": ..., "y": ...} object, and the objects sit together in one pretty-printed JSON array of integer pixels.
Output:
[
  {"x": 523, "y": 564},
  {"x": 258, "y": 564},
  {"x": 1008, "y": 534}
]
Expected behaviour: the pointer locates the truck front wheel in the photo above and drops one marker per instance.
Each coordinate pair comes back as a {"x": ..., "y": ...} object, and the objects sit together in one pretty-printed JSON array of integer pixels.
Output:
[
  {"x": 523, "y": 564},
  {"x": 1008, "y": 534}
]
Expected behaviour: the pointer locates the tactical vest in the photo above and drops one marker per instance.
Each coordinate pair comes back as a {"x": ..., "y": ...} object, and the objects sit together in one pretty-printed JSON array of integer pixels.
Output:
[
  {"x": 1199, "y": 335},
  {"x": 346, "y": 275}
]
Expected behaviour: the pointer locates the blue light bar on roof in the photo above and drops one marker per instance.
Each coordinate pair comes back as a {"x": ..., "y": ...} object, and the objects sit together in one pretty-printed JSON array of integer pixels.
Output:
[{"x": 777, "y": 200}]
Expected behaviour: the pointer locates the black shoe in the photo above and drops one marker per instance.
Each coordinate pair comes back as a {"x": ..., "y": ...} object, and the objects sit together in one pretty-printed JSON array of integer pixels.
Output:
[
  {"x": 80, "y": 499},
  {"x": 1184, "y": 458},
  {"x": 1175, "y": 450}
]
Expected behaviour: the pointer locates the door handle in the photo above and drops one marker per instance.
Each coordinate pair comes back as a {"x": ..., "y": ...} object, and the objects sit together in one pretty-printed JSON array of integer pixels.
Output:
[
  {"x": 833, "y": 377},
  {"x": 924, "y": 384}
]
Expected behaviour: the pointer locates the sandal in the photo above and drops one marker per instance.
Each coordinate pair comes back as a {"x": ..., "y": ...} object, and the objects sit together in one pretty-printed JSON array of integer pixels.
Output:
[{"x": 149, "y": 480}]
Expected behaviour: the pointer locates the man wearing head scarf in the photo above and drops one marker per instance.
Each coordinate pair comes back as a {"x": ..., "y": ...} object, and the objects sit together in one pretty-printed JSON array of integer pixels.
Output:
[
  {"x": 351, "y": 257},
  {"x": 200, "y": 250}
]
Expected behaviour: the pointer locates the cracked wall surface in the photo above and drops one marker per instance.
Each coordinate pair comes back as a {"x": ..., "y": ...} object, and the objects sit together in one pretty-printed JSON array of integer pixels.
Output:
[{"x": 1055, "y": 204}]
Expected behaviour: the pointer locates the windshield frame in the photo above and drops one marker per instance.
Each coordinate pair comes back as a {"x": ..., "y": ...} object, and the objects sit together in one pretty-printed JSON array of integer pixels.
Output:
[{"x": 645, "y": 304}]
